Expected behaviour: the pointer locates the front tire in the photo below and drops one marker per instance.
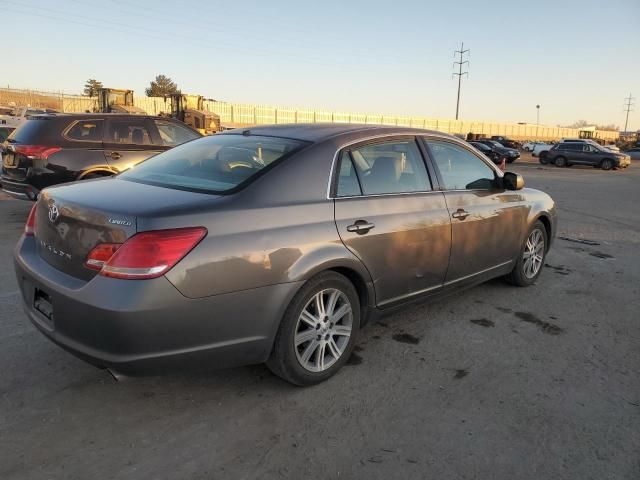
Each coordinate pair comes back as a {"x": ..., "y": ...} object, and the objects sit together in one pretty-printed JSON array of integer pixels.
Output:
[
  {"x": 531, "y": 257},
  {"x": 318, "y": 331},
  {"x": 606, "y": 164},
  {"x": 561, "y": 162}
]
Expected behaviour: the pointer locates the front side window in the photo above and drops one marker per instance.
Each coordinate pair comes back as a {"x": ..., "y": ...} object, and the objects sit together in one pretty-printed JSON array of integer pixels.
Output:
[
  {"x": 215, "y": 164},
  {"x": 459, "y": 168},
  {"x": 173, "y": 134},
  {"x": 132, "y": 132},
  {"x": 86, "y": 131},
  {"x": 391, "y": 167}
]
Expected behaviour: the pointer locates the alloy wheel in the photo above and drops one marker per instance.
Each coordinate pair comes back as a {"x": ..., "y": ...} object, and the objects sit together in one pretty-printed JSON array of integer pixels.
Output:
[
  {"x": 533, "y": 255},
  {"x": 323, "y": 330}
]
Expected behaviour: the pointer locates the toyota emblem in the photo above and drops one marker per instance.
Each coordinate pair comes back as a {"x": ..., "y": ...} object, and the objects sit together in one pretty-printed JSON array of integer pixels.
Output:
[{"x": 53, "y": 213}]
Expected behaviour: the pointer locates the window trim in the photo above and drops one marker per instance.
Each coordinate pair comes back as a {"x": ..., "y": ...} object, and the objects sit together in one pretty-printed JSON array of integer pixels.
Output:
[
  {"x": 425, "y": 140},
  {"x": 332, "y": 187},
  {"x": 74, "y": 123}
]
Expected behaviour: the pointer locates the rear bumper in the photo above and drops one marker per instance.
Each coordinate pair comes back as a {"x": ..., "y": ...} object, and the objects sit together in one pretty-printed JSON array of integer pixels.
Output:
[
  {"x": 139, "y": 326},
  {"x": 19, "y": 189}
]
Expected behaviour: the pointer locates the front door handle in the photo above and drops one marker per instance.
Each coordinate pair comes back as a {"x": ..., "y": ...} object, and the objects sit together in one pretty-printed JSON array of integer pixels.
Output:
[
  {"x": 115, "y": 155},
  {"x": 460, "y": 214},
  {"x": 360, "y": 227}
]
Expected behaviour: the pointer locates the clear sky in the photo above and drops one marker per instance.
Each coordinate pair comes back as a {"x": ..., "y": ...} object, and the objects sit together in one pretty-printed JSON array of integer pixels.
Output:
[{"x": 577, "y": 59}]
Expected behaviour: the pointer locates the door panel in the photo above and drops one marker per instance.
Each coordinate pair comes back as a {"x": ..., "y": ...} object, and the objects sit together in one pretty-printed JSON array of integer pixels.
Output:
[
  {"x": 486, "y": 221},
  {"x": 407, "y": 251},
  {"x": 491, "y": 233}
]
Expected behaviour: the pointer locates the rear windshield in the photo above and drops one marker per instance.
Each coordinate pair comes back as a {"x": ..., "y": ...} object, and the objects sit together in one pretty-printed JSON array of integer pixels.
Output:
[
  {"x": 215, "y": 164},
  {"x": 30, "y": 132}
]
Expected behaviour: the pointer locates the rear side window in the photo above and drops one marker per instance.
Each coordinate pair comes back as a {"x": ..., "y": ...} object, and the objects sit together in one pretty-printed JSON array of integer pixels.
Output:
[
  {"x": 132, "y": 132},
  {"x": 173, "y": 134},
  {"x": 460, "y": 169},
  {"x": 390, "y": 167},
  {"x": 86, "y": 131},
  {"x": 571, "y": 146},
  {"x": 215, "y": 164}
]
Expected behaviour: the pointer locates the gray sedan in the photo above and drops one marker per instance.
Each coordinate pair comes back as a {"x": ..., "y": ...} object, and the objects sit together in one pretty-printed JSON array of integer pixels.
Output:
[{"x": 274, "y": 244}]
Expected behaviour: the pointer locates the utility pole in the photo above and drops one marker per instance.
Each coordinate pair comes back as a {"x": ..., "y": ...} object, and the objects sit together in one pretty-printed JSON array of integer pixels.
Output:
[
  {"x": 460, "y": 73},
  {"x": 628, "y": 108}
]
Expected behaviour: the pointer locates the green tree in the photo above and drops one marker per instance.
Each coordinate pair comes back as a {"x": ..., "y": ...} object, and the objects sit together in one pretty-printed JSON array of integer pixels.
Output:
[
  {"x": 91, "y": 87},
  {"x": 161, "y": 86}
]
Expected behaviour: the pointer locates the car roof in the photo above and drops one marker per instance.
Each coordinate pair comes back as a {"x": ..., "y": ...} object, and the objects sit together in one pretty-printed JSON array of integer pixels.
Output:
[
  {"x": 95, "y": 115},
  {"x": 316, "y": 132}
]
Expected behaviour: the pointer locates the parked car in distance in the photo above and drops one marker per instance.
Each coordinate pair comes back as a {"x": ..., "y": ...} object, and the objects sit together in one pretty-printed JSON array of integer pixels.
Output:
[
  {"x": 272, "y": 244},
  {"x": 566, "y": 154},
  {"x": 540, "y": 149},
  {"x": 509, "y": 154},
  {"x": 507, "y": 142},
  {"x": 488, "y": 151},
  {"x": 634, "y": 153},
  {"x": 51, "y": 149},
  {"x": 529, "y": 146}
]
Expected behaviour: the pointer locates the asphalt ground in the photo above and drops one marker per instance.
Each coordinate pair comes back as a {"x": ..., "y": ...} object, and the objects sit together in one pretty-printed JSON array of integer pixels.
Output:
[{"x": 496, "y": 382}]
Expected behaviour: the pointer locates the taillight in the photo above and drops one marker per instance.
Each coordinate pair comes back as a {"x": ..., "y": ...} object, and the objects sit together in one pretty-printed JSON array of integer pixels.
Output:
[
  {"x": 146, "y": 254},
  {"x": 41, "y": 152},
  {"x": 30, "y": 226},
  {"x": 100, "y": 255}
]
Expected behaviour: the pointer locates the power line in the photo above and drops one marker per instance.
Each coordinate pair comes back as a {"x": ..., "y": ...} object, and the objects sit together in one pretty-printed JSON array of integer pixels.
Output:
[
  {"x": 460, "y": 73},
  {"x": 628, "y": 108}
]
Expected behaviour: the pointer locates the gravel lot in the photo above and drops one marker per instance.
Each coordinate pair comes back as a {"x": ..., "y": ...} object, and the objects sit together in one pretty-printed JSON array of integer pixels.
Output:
[{"x": 495, "y": 382}]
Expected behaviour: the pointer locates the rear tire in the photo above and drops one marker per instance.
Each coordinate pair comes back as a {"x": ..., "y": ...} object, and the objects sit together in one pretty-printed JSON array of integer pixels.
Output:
[
  {"x": 300, "y": 355},
  {"x": 530, "y": 258},
  {"x": 544, "y": 160},
  {"x": 606, "y": 164},
  {"x": 561, "y": 162}
]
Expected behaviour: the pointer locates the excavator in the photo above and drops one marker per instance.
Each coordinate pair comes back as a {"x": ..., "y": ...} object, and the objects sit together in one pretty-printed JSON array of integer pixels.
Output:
[
  {"x": 113, "y": 100},
  {"x": 190, "y": 110}
]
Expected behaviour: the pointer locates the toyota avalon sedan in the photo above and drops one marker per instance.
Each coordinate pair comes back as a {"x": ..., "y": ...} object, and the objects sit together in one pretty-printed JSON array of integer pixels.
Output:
[{"x": 274, "y": 244}]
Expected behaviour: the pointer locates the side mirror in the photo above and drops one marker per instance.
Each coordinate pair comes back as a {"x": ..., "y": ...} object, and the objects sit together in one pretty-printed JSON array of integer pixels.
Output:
[{"x": 512, "y": 181}]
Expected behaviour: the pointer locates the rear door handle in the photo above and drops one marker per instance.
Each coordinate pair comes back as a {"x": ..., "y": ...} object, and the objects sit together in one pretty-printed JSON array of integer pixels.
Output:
[
  {"x": 360, "y": 227},
  {"x": 115, "y": 155},
  {"x": 460, "y": 214}
]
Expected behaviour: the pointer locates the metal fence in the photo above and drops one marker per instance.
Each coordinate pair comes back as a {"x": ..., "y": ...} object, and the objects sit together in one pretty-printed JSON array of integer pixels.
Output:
[{"x": 239, "y": 114}]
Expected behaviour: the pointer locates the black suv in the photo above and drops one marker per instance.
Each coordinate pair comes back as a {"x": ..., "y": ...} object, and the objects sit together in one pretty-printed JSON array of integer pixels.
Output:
[
  {"x": 488, "y": 151},
  {"x": 509, "y": 154},
  {"x": 50, "y": 149},
  {"x": 570, "y": 153}
]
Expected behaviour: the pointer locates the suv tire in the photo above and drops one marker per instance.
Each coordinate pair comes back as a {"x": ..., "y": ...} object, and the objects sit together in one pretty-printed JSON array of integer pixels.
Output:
[
  {"x": 606, "y": 164},
  {"x": 561, "y": 162}
]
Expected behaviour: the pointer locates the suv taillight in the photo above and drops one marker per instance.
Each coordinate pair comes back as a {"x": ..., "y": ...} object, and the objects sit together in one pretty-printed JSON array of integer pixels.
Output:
[
  {"x": 146, "y": 254},
  {"x": 41, "y": 152},
  {"x": 30, "y": 226}
]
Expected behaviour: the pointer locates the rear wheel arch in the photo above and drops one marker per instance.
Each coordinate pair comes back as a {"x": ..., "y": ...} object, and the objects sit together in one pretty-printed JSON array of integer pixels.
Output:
[{"x": 361, "y": 287}]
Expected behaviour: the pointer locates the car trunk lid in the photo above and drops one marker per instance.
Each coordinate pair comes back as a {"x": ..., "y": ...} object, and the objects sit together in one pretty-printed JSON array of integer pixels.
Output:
[
  {"x": 66, "y": 231},
  {"x": 72, "y": 219}
]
